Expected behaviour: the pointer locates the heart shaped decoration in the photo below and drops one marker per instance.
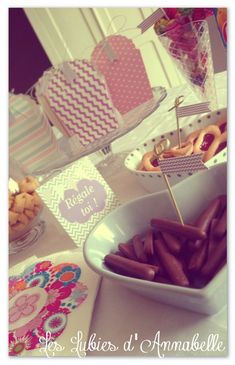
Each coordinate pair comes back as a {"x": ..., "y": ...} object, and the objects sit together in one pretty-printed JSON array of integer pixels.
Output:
[
  {"x": 82, "y": 102},
  {"x": 125, "y": 76}
]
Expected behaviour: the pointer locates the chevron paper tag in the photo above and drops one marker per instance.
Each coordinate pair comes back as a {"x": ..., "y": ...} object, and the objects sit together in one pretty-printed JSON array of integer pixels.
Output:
[
  {"x": 79, "y": 198},
  {"x": 153, "y": 18},
  {"x": 190, "y": 163},
  {"x": 79, "y": 98}
]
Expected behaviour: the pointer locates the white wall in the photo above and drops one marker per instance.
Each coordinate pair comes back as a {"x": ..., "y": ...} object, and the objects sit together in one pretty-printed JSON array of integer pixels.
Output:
[{"x": 67, "y": 33}]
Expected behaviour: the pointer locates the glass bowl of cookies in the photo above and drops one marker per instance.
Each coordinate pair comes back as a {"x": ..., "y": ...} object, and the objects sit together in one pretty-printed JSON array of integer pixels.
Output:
[{"x": 24, "y": 214}]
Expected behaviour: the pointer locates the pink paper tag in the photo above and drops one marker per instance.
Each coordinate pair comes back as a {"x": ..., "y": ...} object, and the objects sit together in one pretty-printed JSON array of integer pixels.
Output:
[
  {"x": 82, "y": 105},
  {"x": 126, "y": 77}
]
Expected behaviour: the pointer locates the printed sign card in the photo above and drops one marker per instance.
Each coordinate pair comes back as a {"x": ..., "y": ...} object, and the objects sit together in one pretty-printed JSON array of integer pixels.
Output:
[{"x": 79, "y": 198}]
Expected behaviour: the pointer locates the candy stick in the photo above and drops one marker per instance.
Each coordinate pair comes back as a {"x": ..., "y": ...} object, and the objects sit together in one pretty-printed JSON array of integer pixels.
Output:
[
  {"x": 179, "y": 100},
  {"x": 171, "y": 264},
  {"x": 219, "y": 253},
  {"x": 204, "y": 220},
  {"x": 173, "y": 243},
  {"x": 221, "y": 226},
  {"x": 186, "y": 230},
  {"x": 159, "y": 148},
  {"x": 127, "y": 250},
  {"x": 129, "y": 267},
  {"x": 198, "y": 258},
  {"x": 139, "y": 249},
  {"x": 148, "y": 244}
]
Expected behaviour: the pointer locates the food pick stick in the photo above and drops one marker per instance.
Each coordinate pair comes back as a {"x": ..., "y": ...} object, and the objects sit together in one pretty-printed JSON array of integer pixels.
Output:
[
  {"x": 179, "y": 100},
  {"x": 159, "y": 148}
]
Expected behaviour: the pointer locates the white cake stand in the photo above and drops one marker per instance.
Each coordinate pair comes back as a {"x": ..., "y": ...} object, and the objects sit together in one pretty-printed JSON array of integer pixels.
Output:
[{"x": 71, "y": 150}]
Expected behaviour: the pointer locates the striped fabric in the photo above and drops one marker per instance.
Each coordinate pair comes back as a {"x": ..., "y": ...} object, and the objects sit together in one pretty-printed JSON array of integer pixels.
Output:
[
  {"x": 190, "y": 163},
  {"x": 152, "y": 19},
  {"x": 31, "y": 140},
  {"x": 185, "y": 111}
]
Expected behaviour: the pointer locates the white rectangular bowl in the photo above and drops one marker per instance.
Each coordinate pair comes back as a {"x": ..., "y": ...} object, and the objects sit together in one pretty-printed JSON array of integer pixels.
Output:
[{"x": 192, "y": 195}]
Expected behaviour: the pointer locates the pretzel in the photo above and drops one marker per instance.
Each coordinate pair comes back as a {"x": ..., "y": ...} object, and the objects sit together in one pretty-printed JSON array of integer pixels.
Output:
[
  {"x": 193, "y": 136},
  {"x": 221, "y": 122},
  {"x": 186, "y": 149},
  {"x": 214, "y": 146},
  {"x": 141, "y": 166},
  {"x": 147, "y": 161},
  {"x": 211, "y": 129}
]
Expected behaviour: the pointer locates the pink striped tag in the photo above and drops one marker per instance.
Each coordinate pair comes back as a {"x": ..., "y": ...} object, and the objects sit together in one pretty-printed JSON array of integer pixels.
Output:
[
  {"x": 152, "y": 19},
  {"x": 190, "y": 163},
  {"x": 185, "y": 111}
]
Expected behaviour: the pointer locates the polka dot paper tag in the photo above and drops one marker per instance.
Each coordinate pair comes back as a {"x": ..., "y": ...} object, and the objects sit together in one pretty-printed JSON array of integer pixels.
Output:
[{"x": 125, "y": 76}]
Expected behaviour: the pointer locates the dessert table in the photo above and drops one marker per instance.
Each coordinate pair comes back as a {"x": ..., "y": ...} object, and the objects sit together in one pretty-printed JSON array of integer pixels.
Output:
[{"x": 119, "y": 313}]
